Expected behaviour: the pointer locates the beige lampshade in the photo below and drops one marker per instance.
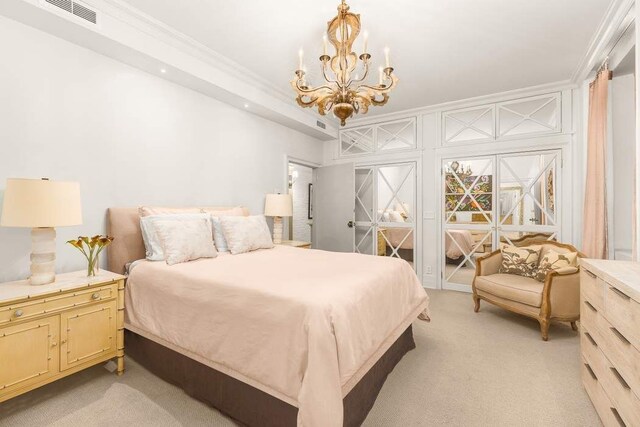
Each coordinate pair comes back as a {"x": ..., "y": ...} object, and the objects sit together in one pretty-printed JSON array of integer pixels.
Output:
[
  {"x": 278, "y": 205},
  {"x": 41, "y": 203}
]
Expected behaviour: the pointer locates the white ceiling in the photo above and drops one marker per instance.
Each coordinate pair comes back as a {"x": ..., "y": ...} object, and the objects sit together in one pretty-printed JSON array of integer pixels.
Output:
[{"x": 442, "y": 50}]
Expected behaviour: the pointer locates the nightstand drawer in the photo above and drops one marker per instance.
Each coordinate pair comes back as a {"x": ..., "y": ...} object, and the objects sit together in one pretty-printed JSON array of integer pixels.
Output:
[{"x": 37, "y": 307}]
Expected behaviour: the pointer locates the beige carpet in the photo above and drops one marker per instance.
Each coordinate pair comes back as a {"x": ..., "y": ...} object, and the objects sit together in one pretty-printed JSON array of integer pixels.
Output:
[{"x": 485, "y": 369}]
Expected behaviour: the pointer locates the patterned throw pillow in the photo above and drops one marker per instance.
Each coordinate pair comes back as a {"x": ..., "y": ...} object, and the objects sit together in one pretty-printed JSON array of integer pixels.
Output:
[
  {"x": 521, "y": 261},
  {"x": 553, "y": 260}
]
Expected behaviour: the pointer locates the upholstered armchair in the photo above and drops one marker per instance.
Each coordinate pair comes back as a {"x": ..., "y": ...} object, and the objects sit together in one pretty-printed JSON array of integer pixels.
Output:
[{"x": 557, "y": 298}]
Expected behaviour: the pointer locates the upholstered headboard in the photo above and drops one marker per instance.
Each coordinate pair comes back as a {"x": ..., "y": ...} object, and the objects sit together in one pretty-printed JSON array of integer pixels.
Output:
[{"x": 124, "y": 225}]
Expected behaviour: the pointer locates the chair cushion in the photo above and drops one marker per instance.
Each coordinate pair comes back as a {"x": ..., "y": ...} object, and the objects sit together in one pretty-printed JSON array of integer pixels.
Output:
[{"x": 520, "y": 289}]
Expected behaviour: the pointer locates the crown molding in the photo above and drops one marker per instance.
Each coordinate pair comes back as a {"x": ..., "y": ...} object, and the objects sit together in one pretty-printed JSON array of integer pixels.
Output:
[
  {"x": 135, "y": 18},
  {"x": 617, "y": 19}
]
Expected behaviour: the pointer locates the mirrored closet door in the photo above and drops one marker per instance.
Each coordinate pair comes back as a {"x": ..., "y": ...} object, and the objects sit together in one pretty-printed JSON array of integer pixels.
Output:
[
  {"x": 385, "y": 211},
  {"x": 491, "y": 200}
]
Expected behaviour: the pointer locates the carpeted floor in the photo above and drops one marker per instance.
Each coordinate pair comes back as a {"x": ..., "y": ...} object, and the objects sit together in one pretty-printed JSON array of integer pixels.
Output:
[{"x": 485, "y": 369}]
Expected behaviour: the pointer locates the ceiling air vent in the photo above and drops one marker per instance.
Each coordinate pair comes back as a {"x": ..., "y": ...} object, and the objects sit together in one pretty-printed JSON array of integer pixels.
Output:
[
  {"x": 75, "y": 8},
  {"x": 320, "y": 124}
]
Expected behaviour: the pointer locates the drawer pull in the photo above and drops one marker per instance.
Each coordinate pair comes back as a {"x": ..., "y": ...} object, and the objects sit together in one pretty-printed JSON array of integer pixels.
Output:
[
  {"x": 620, "y": 379},
  {"x": 95, "y": 295},
  {"x": 590, "y": 338},
  {"x": 591, "y": 307},
  {"x": 18, "y": 313},
  {"x": 620, "y": 293},
  {"x": 618, "y": 417},
  {"x": 593, "y": 374},
  {"x": 593, "y": 276},
  {"x": 620, "y": 336}
]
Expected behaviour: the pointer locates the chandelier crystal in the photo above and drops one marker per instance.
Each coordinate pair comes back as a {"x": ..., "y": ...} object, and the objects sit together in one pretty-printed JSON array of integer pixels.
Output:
[{"x": 344, "y": 90}]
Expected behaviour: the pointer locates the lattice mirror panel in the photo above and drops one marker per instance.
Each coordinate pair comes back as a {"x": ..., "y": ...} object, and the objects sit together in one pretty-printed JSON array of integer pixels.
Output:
[
  {"x": 396, "y": 193},
  {"x": 539, "y": 114},
  {"x": 471, "y": 124},
  {"x": 387, "y": 137},
  {"x": 462, "y": 248},
  {"x": 357, "y": 141},
  {"x": 396, "y": 135},
  {"x": 364, "y": 195},
  {"x": 528, "y": 189}
]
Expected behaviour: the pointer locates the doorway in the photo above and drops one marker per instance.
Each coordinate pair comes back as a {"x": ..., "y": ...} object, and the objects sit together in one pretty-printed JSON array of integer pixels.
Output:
[
  {"x": 300, "y": 184},
  {"x": 492, "y": 200}
]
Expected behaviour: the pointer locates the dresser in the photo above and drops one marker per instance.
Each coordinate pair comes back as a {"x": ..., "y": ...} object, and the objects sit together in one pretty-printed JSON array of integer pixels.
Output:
[
  {"x": 610, "y": 339},
  {"x": 48, "y": 332}
]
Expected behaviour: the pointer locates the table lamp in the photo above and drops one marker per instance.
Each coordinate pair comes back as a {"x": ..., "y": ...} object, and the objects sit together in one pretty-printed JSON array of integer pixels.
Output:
[
  {"x": 41, "y": 205},
  {"x": 277, "y": 206}
]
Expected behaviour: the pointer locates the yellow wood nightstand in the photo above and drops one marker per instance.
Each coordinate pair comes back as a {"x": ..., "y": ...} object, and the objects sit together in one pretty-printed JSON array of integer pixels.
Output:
[
  {"x": 296, "y": 244},
  {"x": 48, "y": 332}
]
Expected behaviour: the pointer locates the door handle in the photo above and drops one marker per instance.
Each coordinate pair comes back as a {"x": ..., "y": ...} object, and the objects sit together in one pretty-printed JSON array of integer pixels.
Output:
[{"x": 351, "y": 224}]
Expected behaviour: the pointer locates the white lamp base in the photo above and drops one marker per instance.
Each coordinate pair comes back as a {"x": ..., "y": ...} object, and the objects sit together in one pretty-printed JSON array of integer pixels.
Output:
[
  {"x": 277, "y": 230},
  {"x": 43, "y": 256}
]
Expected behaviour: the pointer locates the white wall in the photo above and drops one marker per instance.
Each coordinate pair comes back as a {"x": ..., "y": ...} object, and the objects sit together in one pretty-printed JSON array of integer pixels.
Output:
[
  {"x": 128, "y": 137},
  {"x": 623, "y": 162}
]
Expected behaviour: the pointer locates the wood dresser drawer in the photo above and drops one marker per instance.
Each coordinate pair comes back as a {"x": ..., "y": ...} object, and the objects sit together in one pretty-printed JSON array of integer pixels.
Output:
[
  {"x": 38, "y": 307},
  {"x": 624, "y": 313},
  {"x": 592, "y": 288},
  {"x": 612, "y": 381},
  {"x": 607, "y": 411},
  {"x": 610, "y": 339}
]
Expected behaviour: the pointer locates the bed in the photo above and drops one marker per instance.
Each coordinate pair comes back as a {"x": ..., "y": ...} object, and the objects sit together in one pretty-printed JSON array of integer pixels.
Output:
[{"x": 270, "y": 337}]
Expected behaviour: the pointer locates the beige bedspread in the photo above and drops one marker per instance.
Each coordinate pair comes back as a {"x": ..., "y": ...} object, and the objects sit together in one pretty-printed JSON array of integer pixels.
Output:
[{"x": 302, "y": 325}]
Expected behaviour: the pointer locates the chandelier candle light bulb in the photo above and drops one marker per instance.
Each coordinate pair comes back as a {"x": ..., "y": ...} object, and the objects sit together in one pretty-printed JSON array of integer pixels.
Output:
[
  {"x": 386, "y": 57},
  {"x": 339, "y": 93}
]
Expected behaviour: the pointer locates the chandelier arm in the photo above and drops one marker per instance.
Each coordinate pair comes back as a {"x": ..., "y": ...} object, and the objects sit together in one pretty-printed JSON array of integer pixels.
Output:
[
  {"x": 309, "y": 90},
  {"x": 326, "y": 77}
]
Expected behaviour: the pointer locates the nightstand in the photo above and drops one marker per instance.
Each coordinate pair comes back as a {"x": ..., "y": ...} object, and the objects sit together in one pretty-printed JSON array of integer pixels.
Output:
[
  {"x": 50, "y": 331},
  {"x": 296, "y": 244}
]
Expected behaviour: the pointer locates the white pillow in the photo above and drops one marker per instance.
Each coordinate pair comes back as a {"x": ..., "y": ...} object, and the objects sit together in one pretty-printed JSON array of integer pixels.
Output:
[
  {"x": 152, "y": 243},
  {"x": 246, "y": 233},
  {"x": 185, "y": 240},
  {"x": 218, "y": 235},
  {"x": 396, "y": 216}
]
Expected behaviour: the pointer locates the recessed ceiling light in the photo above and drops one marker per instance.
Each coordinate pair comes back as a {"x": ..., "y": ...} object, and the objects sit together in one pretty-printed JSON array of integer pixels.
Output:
[
  {"x": 163, "y": 70},
  {"x": 246, "y": 105}
]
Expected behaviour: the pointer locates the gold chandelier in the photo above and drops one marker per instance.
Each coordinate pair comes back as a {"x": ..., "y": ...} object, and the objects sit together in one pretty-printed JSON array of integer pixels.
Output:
[{"x": 344, "y": 91}]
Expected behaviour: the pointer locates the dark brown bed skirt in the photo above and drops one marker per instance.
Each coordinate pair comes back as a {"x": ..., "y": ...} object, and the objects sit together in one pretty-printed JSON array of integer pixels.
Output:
[{"x": 247, "y": 404}]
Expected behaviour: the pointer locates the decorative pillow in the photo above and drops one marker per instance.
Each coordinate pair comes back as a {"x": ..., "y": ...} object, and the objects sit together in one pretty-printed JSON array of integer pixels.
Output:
[
  {"x": 155, "y": 210},
  {"x": 553, "y": 260},
  {"x": 185, "y": 240},
  {"x": 246, "y": 233},
  {"x": 218, "y": 235},
  {"x": 521, "y": 261},
  {"x": 152, "y": 242}
]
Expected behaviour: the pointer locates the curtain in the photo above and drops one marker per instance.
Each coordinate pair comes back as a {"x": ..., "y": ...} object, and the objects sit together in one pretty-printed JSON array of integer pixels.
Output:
[{"x": 594, "y": 234}]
